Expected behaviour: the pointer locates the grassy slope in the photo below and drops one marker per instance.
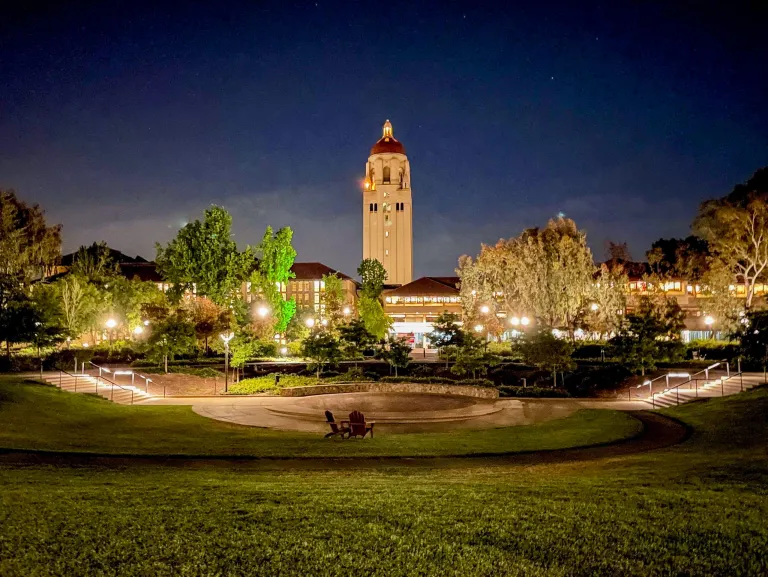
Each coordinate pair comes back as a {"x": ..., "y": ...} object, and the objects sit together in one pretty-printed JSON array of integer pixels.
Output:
[
  {"x": 696, "y": 509},
  {"x": 42, "y": 417}
]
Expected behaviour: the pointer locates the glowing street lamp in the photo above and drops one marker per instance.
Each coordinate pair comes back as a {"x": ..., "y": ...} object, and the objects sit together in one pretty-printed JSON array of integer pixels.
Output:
[
  {"x": 284, "y": 351},
  {"x": 346, "y": 311},
  {"x": 138, "y": 330},
  {"x": 478, "y": 328},
  {"x": 594, "y": 307},
  {"x": 324, "y": 322},
  {"x": 514, "y": 321},
  {"x": 262, "y": 311},
  {"x": 111, "y": 324},
  {"x": 146, "y": 323},
  {"x": 226, "y": 337},
  {"x": 310, "y": 322},
  {"x": 484, "y": 309},
  {"x": 525, "y": 321},
  {"x": 709, "y": 321}
]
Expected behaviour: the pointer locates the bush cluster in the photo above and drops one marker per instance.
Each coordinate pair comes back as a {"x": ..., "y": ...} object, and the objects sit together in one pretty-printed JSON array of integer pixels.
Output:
[
  {"x": 439, "y": 381},
  {"x": 267, "y": 384},
  {"x": 533, "y": 392}
]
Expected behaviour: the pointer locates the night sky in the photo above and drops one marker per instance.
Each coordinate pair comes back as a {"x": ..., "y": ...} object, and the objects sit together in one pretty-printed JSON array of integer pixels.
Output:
[{"x": 125, "y": 120}]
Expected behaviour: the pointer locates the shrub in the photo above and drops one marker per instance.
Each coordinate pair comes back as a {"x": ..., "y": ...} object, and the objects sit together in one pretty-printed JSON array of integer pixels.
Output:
[
  {"x": 439, "y": 381},
  {"x": 267, "y": 384},
  {"x": 533, "y": 392},
  {"x": 353, "y": 375},
  {"x": 593, "y": 351},
  {"x": 589, "y": 380},
  {"x": 713, "y": 350}
]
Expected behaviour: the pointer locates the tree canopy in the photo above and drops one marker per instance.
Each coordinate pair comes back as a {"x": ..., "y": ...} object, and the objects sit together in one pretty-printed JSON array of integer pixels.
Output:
[
  {"x": 204, "y": 257},
  {"x": 29, "y": 248},
  {"x": 272, "y": 273}
]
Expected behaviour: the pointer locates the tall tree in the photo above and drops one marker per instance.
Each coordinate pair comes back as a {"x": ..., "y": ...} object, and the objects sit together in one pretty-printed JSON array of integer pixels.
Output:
[
  {"x": 397, "y": 353},
  {"x": 736, "y": 228},
  {"x": 355, "y": 339},
  {"x": 29, "y": 248},
  {"x": 605, "y": 313},
  {"x": 681, "y": 258},
  {"x": 94, "y": 263},
  {"x": 208, "y": 318},
  {"x": 203, "y": 257},
  {"x": 544, "y": 273},
  {"x": 82, "y": 303},
  {"x": 656, "y": 321},
  {"x": 322, "y": 348},
  {"x": 373, "y": 274},
  {"x": 332, "y": 300},
  {"x": 273, "y": 273},
  {"x": 172, "y": 337},
  {"x": 17, "y": 313},
  {"x": 544, "y": 350},
  {"x": 618, "y": 251}
]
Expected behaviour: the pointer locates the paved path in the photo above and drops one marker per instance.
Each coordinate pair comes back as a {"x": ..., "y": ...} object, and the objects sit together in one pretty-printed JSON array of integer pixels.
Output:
[{"x": 424, "y": 413}]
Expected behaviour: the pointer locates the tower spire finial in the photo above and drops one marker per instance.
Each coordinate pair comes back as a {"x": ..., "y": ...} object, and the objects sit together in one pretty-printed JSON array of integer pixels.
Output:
[{"x": 387, "y": 129}]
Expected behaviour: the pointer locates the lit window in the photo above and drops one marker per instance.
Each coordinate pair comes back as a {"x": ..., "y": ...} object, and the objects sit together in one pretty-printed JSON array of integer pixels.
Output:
[
  {"x": 386, "y": 252},
  {"x": 386, "y": 233},
  {"x": 317, "y": 285}
]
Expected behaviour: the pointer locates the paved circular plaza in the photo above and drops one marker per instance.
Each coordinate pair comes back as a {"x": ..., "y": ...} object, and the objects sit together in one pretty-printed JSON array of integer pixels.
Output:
[{"x": 392, "y": 412}]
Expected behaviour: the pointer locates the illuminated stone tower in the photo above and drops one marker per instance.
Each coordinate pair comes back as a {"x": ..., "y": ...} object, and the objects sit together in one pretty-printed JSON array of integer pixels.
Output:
[{"x": 387, "y": 221}]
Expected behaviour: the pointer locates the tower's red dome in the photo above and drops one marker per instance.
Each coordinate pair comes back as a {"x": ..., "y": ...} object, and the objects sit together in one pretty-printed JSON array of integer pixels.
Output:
[{"x": 387, "y": 142}]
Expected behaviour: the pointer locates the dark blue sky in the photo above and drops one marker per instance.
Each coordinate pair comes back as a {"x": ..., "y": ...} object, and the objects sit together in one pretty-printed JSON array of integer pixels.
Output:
[{"x": 124, "y": 120}]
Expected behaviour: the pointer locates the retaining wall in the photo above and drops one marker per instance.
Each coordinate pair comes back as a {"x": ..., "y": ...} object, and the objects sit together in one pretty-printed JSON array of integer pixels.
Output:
[{"x": 330, "y": 389}]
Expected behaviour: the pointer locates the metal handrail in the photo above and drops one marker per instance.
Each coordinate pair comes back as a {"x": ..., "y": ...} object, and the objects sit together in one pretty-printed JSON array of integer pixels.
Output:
[
  {"x": 111, "y": 382},
  {"x": 62, "y": 372},
  {"x": 694, "y": 378}
]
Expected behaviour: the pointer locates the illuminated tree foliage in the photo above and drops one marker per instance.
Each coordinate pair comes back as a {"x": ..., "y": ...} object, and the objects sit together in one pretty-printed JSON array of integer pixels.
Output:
[
  {"x": 332, "y": 300},
  {"x": 373, "y": 274},
  {"x": 736, "y": 228},
  {"x": 274, "y": 271},
  {"x": 542, "y": 349},
  {"x": 544, "y": 273},
  {"x": 29, "y": 248},
  {"x": 204, "y": 257}
]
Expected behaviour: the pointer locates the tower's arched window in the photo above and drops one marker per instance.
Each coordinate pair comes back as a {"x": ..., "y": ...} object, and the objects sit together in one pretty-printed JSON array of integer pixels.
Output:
[
  {"x": 375, "y": 207},
  {"x": 385, "y": 175}
]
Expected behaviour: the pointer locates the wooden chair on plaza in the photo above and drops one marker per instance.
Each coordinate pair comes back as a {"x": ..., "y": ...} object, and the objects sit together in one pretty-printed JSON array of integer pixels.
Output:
[
  {"x": 357, "y": 425},
  {"x": 336, "y": 429}
]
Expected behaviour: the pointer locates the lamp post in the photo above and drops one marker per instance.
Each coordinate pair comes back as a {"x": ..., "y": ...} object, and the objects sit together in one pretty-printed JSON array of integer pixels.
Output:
[
  {"x": 709, "y": 321},
  {"x": 226, "y": 337},
  {"x": 111, "y": 324}
]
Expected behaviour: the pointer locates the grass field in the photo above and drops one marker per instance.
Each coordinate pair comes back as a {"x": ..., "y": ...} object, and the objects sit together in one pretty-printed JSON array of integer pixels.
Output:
[
  {"x": 699, "y": 508},
  {"x": 42, "y": 417}
]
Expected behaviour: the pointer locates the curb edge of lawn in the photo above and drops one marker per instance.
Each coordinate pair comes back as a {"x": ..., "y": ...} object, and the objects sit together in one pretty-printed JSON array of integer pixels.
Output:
[{"x": 644, "y": 417}]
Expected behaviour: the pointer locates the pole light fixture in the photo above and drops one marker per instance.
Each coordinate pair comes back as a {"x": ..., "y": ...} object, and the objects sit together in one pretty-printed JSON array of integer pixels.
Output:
[
  {"x": 262, "y": 311},
  {"x": 226, "y": 337},
  {"x": 310, "y": 322},
  {"x": 525, "y": 321},
  {"x": 346, "y": 310},
  {"x": 485, "y": 309},
  {"x": 478, "y": 328}
]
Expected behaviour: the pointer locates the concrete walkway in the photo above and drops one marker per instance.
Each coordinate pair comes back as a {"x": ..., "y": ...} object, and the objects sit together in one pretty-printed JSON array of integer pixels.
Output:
[{"x": 393, "y": 412}]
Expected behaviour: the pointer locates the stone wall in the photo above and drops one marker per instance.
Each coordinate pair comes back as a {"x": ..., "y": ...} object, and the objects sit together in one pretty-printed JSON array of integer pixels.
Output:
[{"x": 478, "y": 392}]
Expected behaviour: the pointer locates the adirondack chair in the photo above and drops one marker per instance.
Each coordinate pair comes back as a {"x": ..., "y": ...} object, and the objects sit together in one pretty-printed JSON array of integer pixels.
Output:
[
  {"x": 357, "y": 425},
  {"x": 335, "y": 428}
]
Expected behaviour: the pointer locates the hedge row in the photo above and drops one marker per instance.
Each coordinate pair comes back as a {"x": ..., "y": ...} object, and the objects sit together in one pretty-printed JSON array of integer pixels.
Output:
[
  {"x": 533, "y": 392},
  {"x": 439, "y": 381}
]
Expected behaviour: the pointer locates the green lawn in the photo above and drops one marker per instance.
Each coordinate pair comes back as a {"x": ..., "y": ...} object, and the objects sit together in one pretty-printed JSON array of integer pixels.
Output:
[
  {"x": 699, "y": 508},
  {"x": 42, "y": 417}
]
